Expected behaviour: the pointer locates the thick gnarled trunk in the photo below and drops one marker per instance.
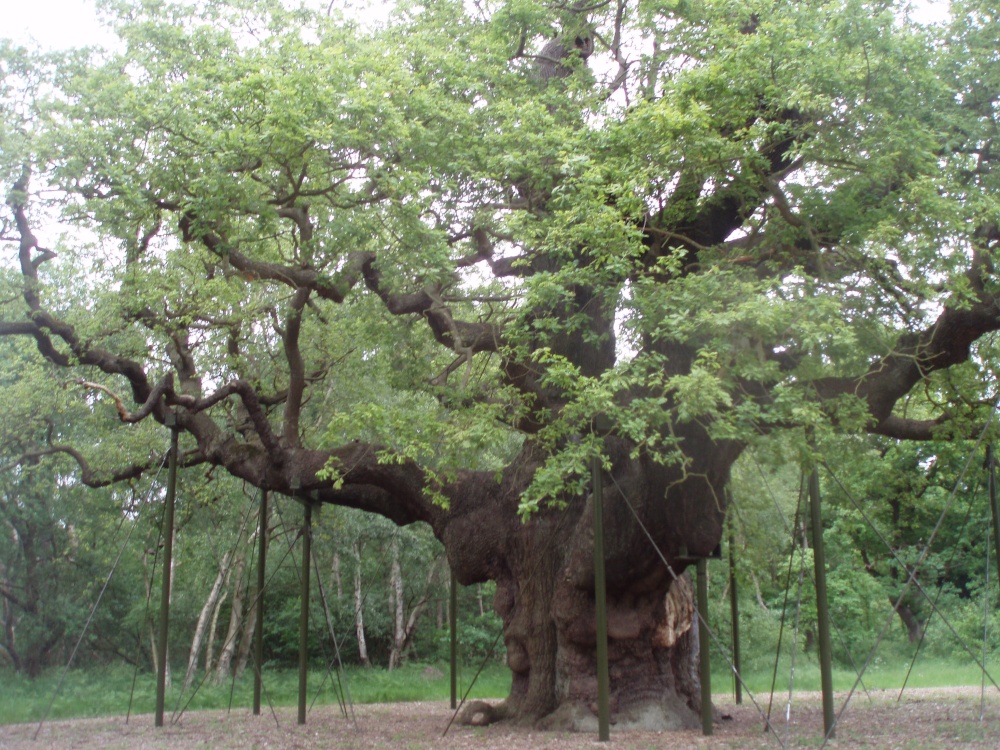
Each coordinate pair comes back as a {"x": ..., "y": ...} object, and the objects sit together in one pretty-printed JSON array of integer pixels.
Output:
[
  {"x": 550, "y": 633},
  {"x": 545, "y": 596}
]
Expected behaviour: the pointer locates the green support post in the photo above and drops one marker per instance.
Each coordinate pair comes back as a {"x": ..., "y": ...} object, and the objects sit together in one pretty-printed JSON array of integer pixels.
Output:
[
  {"x": 994, "y": 505},
  {"x": 168, "y": 551},
  {"x": 453, "y": 626},
  {"x": 601, "y": 609},
  {"x": 258, "y": 639},
  {"x": 304, "y": 610},
  {"x": 822, "y": 606},
  {"x": 704, "y": 657},
  {"x": 734, "y": 609}
]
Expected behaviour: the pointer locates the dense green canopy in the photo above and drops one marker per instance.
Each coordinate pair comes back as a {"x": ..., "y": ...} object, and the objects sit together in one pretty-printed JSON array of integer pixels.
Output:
[{"x": 403, "y": 262}]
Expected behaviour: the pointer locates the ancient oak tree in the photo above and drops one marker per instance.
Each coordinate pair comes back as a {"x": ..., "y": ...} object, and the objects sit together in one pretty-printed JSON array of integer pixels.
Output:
[{"x": 404, "y": 264}]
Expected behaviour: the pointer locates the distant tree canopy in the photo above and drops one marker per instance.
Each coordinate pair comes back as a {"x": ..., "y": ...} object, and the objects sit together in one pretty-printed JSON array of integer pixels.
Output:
[{"x": 404, "y": 263}]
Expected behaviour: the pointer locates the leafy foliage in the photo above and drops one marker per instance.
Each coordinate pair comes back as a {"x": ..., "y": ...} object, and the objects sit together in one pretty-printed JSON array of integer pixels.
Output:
[{"x": 409, "y": 267}]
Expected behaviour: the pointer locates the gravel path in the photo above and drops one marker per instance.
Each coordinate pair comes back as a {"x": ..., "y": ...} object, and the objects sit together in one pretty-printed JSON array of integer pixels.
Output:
[{"x": 929, "y": 718}]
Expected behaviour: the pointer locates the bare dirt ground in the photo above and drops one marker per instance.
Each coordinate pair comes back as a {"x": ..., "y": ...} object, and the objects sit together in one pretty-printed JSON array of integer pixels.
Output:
[{"x": 929, "y": 718}]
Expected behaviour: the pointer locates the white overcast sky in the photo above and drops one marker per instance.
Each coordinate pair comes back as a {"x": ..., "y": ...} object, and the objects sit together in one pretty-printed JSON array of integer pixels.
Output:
[
  {"x": 60, "y": 24},
  {"x": 54, "y": 24}
]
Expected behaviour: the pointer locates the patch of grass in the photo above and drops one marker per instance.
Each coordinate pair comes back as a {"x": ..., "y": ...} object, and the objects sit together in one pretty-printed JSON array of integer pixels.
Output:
[
  {"x": 880, "y": 675},
  {"x": 106, "y": 691}
]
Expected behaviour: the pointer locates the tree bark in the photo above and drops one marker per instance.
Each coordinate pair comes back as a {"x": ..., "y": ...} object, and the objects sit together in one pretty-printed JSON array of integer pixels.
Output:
[
  {"x": 914, "y": 629},
  {"x": 10, "y": 645},
  {"x": 250, "y": 621},
  {"x": 396, "y": 604},
  {"x": 359, "y": 603},
  {"x": 148, "y": 584},
  {"x": 246, "y": 638},
  {"x": 418, "y": 607},
  {"x": 335, "y": 574},
  {"x": 545, "y": 592},
  {"x": 36, "y": 542},
  {"x": 756, "y": 590},
  {"x": 204, "y": 617},
  {"x": 222, "y": 668},
  {"x": 213, "y": 628}
]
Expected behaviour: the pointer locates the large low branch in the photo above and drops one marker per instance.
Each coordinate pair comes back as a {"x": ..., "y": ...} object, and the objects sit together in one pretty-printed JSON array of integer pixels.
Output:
[
  {"x": 907, "y": 429},
  {"x": 92, "y": 478},
  {"x": 715, "y": 217},
  {"x": 458, "y": 335},
  {"x": 945, "y": 343},
  {"x": 362, "y": 476},
  {"x": 165, "y": 385},
  {"x": 250, "y": 401},
  {"x": 296, "y": 367},
  {"x": 42, "y": 324},
  {"x": 334, "y": 288},
  {"x": 391, "y": 489}
]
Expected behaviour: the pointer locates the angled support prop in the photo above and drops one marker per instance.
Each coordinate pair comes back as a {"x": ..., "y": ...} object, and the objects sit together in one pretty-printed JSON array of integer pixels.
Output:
[
  {"x": 453, "y": 627},
  {"x": 258, "y": 646},
  {"x": 734, "y": 608},
  {"x": 601, "y": 609},
  {"x": 822, "y": 604},
  {"x": 304, "y": 609},
  {"x": 168, "y": 549}
]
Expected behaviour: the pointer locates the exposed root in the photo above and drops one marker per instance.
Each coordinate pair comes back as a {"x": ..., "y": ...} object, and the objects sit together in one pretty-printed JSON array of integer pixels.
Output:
[
  {"x": 667, "y": 714},
  {"x": 482, "y": 714}
]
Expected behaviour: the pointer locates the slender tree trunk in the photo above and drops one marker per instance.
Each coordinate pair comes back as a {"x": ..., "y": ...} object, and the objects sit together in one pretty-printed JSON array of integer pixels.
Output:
[
  {"x": 9, "y": 647},
  {"x": 419, "y": 607},
  {"x": 213, "y": 628},
  {"x": 914, "y": 629},
  {"x": 246, "y": 637},
  {"x": 335, "y": 573},
  {"x": 148, "y": 585},
  {"x": 725, "y": 592},
  {"x": 359, "y": 615},
  {"x": 235, "y": 618},
  {"x": 756, "y": 590},
  {"x": 204, "y": 618},
  {"x": 396, "y": 604},
  {"x": 250, "y": 621},
  {"x": 30, "y": 657},
  {"x": 152, "y": 653}
]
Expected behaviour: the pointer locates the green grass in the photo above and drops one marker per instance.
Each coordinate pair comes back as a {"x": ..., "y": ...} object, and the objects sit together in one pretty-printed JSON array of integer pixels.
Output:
[
  {"x": 879, "y": 676},
  {"x": 106, "y": 691}
]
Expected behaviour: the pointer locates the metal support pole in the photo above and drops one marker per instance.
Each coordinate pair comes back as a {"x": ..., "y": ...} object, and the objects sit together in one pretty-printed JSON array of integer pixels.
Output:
[
  {"x": 168, "y": 551},
  {"x": 704, "y": 657},
  {"x": 601, "y": 609},
  {"x": 822, "y": 607},
  {"x": 994, "y": 505},
  {"x": 734, "y": 609},
  {"x": 986, "y": 633},
  {"x": 258, "y": 644},
  {"x": 995, "y": 511},
  {"x": 453, "y": 626},
  {"x": 304, "y": 610}
]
